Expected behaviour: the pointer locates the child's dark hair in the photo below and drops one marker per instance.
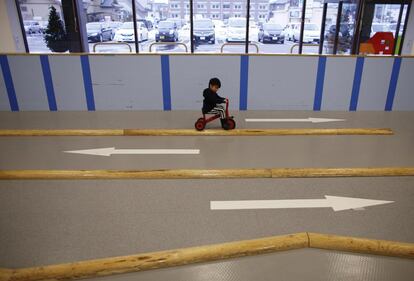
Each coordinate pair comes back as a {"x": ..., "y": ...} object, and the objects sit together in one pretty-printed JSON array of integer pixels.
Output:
[{"x": 214, "y": 82}]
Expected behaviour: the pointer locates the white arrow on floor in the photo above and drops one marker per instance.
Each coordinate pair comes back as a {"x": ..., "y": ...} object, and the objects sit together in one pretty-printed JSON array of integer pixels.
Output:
[
  {"x": 310, "y": 119},
  {"x": 112, "y": 150},
  {"x": 335, "y": 202}
]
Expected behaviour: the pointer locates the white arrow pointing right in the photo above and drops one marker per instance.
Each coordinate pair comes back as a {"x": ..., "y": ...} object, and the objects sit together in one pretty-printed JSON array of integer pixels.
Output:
[
  {"x": 335, "y": 202},
  {"x": 310, "y": 119}
]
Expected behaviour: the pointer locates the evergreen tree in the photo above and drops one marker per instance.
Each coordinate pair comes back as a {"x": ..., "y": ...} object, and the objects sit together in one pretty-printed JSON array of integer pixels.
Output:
[{"x": 55, "y": 34}]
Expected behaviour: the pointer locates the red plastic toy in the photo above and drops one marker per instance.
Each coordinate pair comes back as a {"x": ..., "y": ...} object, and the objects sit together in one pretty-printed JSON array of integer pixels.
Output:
[{"x": 229, "y": 124}]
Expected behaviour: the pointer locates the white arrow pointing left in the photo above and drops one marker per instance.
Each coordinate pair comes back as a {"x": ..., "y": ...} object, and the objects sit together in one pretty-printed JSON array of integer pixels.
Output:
[
  {"x": 335, "y": 202},
  {"x": 112, "y": 150}
]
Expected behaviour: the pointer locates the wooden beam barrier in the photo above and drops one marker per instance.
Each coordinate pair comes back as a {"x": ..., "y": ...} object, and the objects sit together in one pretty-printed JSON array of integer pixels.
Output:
[
  {"x": 61, "y": 133},
  {"x": 5, "y": 274},
  {"x": 206, "y": 173},
  {"x": 341, "y": 172},
  {"x": 361, "y": 245},
  {"x": 137, "y": 174},
  {"x": 155, "y": 260},
  {"x": 259, "y": 132},
  {"x": 185, "y": 256},
  {"x": 193, "y": 132}
]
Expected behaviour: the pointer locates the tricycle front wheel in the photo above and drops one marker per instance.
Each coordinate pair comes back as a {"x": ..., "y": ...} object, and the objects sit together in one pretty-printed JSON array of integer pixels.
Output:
[{"x": 200, "y": 124}]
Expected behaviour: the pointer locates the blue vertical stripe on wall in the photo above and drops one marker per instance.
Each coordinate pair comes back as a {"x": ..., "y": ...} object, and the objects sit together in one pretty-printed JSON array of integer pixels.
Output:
[
  {"x": 87, "y": 82},
  {"x": 244, "y": 81},
  {"x": 166, "y": 84},
  {"x": 393, "y": 83},
  {"x": 320, "y": 77},
  {"x": 8, "y": 80},
  {"x": 359, "y": 67},
  {"x": 47, "y": 77}
]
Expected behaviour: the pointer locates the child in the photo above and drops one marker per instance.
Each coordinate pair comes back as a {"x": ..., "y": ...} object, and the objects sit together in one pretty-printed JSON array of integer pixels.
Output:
[{"x": 211, "y": 103}]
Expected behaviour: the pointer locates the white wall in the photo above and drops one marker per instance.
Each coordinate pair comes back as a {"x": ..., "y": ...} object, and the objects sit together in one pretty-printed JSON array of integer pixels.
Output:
[
  {"x": 10, "y": 32},
  {"x": 408, "y": 47}
]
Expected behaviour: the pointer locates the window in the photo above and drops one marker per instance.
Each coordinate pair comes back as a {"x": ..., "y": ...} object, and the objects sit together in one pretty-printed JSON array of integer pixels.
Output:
[
  {"x": 114, "y": 26},
  {"x": 35, "y": 22},
  {"x": 276, "y": 30},
  {"x": 384, "y": 21},
  {"x": 169, "y": 26},
  {"x": 200, "y": 6},
  {"x": 214, "y": 28}
]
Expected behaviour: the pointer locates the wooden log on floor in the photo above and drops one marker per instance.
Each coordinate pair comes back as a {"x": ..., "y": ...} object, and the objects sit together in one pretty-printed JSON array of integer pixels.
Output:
[
  {"x": 361, "y": 245},
  {"x": 341, "y": 172},
  {"x": 193, "y": 132},
  {"x": 134, "y": 263},
  {"x": 206, "y": 173},
  {"x": 60, "y": 133},
  {"x": 257, "y": 132}
]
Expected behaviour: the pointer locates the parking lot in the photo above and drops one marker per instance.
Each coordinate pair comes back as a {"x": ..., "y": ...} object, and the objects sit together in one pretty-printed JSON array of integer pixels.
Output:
[{"x": 37, "y": 45}]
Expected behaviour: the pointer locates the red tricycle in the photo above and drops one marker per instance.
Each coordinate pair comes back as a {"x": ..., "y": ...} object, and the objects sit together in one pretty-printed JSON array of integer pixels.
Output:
[{"x": 227, "y": 124}]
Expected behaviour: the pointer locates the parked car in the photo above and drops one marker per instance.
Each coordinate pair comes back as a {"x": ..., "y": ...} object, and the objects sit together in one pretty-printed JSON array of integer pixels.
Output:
[
  {"x": 178, "y": 22},
  {"x": 311, "y": 33},
  {"x": 126, "y": 32},
  {"x": 253, "y": 31},
  {"x": 290, "y": 31},
  {"x": 167, "y": 32},
  {"x": 184, "y": 33},
  {"x": 203, "y": 31},
  {"x": 31, "y": 27},
  {"x": 236, "y": 31},
  {"x": 148, "y": 24},
  {"x": 271, "y": 32},
  {"x": 220, "y": 30},
  {"x": 43, "y": 25},
  {"x": 98, "y": 32},
  {"x": 114, "y": 26}
]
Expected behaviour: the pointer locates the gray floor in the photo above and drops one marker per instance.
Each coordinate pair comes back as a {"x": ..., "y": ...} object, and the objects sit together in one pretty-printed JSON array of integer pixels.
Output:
[
  {"x": 216, "y": 152},
  {"x": 45, "y": 222},
  {"x": 49, "y": 222},
  {"x": 306, "y": 264}
]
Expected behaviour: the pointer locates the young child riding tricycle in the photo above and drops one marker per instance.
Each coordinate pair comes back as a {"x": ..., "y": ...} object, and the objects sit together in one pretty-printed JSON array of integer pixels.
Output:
[{"x": 212, "y": 105}]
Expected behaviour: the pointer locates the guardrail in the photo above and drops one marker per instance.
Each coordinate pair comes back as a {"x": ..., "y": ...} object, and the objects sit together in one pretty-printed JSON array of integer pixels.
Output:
[
  {"x": 239, "y": 44},
  {"x": 168, "y": 43},
  {"x": 111, "y": 43}
]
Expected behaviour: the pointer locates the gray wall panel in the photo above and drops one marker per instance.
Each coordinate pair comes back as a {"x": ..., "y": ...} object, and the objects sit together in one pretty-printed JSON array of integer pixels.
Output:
[
  {"x": 404, "y": 94},
  {"x": 375, "y": 83},
  {"x": 190, "y": 75},
  {"x": 4, "y": 99},
  {"x": 127, "y": 82},
  {"x": 282, "y": 83},
  {"x": 28, "y": 82},
  {"x": 339, "y": 78},
  {"x": 68, "y": 82}
]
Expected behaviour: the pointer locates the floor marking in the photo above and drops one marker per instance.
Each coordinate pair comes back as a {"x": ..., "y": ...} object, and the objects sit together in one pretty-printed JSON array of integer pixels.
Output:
[
  {"x": 112, "y": 150},
  {"x": 335, "y": 202},
  {"x": 310, "y": 119}
]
